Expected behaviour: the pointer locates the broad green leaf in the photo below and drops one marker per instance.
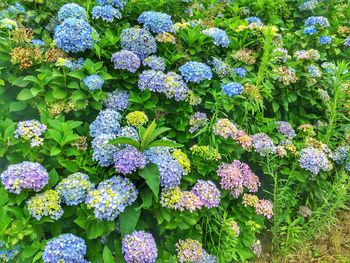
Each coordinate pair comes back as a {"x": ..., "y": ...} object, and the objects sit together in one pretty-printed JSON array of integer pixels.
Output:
[
  {"x": 147, "y": 135},
  {"x": 128, "y": 219},
  {"x": 25, "y": 94},
  {"x": 164, "y": 143},
  {"x": 125, "y": 140},
  {"x": 151, "y": 175},
  {"x": 107, "y": 255},
  {"x": 17, "y": 106}
]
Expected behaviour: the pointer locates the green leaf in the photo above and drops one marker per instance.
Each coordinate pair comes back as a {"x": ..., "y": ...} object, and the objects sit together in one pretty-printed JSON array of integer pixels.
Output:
[
  {"x": 147, "y": 135},
  {"x": 25, "y": 94},
  {"x": 128, "y": 219},
  {"x": 59, "y": 93},
  {"x": 151, "y": 174},
  {"x": 107, "y": 255},
  {"x": 125, "y": 140},
  {"x": 17, "y": 106},
  {"x": 164, "y": 143},
  {"x": 77, "y": 74}
]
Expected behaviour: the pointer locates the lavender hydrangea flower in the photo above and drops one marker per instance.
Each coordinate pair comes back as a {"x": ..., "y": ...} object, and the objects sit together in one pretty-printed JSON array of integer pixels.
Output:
[
  {"x": 93, "y": 82},
  {"x": 106, "y": 12},
  {"x": 30, "y": 130},
  {"x": 107, "y": 122},
  {"x": 71, "y": 10},
  {"x": 111, "y": 197},
  {"x": 117, "y": 100},
  {"x": 126, "y": 60},
  {"x": 73, "y": 189},
  {"x": 286, "y": 129},
  {"x": 139, "y": 41},
  {"x": 263, "y": 144},
  {"x": 257, "y": 248},
  {"x": 317, "y": 21},
  {"x": 154, "y": 62},
  {"x": 103, "y": 152},
  {"x": 195, "y": 72},
  {"x": 151, "y": 80},
  {"x": 116, "y": 3},
  {"x": 25, "y": 175},
  {"x": 74, "y": 35},
  {"x": 232, "y": 89},
  {"x": 139, "y": 247},
  {"x": 207, "y": 258},
  {"x": 169, "y": 169},
  {"x": 265, "y": 208},
  {"x": 220, "y": 37},
  {"x": 207, "y": 192},
  {"x": 156, "y": 22},
  {"x": 65, "y": 248},
  {"x": 313, "y": 160},
  {"x": 128, "y": 160}
]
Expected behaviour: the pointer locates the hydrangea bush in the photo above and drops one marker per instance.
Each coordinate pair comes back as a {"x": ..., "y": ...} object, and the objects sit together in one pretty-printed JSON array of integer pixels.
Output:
[{"x": 170, "y": 131}]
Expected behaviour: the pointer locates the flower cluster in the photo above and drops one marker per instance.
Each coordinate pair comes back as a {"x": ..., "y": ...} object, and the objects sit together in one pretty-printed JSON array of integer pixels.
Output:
[
  {"x": 128, "y": 160},
  {"x": 169, "y": 169},
  {"x": 341, "y": 154},
  {"x": 253, "y": 19},
  {"x": 30, "y": 130},
  {"x": 139, "y": 41},
  {"x": 65, "y": 248},
  {"x": 220, "y": 37},
  {"x": 116, "y": 3},
  {"x": 106, "y": 12},
  {"x": 188, "y": 250},
  {"x": 25, "y": 175},
  {"x": 314, "y": 160},
  {"x": 117, "y": 100},
  {"x": 286, "y": 75},
  {"x": 220, "y": 68},
  {"x": 156, "y": 22},
  {"x": 232, "y": 89},
  {"x": 73, "y": 189},
  {"x": 126, "y": 60},
  {"x": 107, "y": 122},
  {"x": 263, "y": 144},
  {"x": 310, "y": 54},
  {"x": 136, "y": 118},
  {"x": 240, "y": 72},
  {"x": 154, "y": 62},
  {"x": 93, "y": 82},
  {"x": 195, "y": 72},
  {"x": 45, "y": 204},
  {"x": 317, "y": 21},
  {"x": 309, "y": 5},
  {"x": 286, "y": 129},
  {"x": 262, "y": 207},
  {"x": 166, "y": 38},
  {"x": 103, "y": 151},
  {"x": 111, "y": 197},
  {"x": 314, "y": 71},
  {"x": 325, "y": 40},
  {"x": 8, "y": 255},
  {"x": 197, "y": 121},
  {"x": 207, "y": 192},
  {"x": 245, "y": 55},
  {"x": 139, "y": 247},
  {"x": 71, "y": 10},
  {"x": 182, "y": 159},
  {"x": 257, "y": 248},
  {"x": 236, "y": 176}
]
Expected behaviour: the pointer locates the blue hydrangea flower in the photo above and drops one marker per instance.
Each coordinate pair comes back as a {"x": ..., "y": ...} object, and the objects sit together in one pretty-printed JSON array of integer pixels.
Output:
[
  {"x": 317, "y": 21},
  {"x": 240, "y": 72},
  {"x": 232, "y": 89},
  {"x": 103, "y": 151},
  {"x": 310, "y": 30},
  {"x": 65, "y": 248},
  {"x": 128, "y": 160},
  {"x": 220, "y": 37},
  {"x": 156, "y": 22},
  {"x": 73, "y": 189},
  {"x": 107, "y": 122},
  {"x": 152, "y": 80},
  {"x": 347, "y": 42},
  {"x": 220, "y": 68},
  {"x": 126, "y": 60},
  {"x": 116, "y": 3},
  {"x": 313, "y": 160},
  {"x": 139, "y": 41},
  {"x": 130, "y": 132},
  {"x": 8, "y": 255},
  {"x": 314, "y": 71},
  {"x": 169, "y": 169},
  {"x": 74, "y": 64},
  {"x": 340, "y": 154},
  {"x": 253, "y": 19},
  {"x": 154, "y": 62},
  {"x": 195, "y": 72},
  {"x": 71, "y": 10},
  {"x": 117, "y": 100},
  {"x": 106, "y": 12},
  {"x": 325, "y": 40},
  {"x": 38, "y": 42},
  {"x": 93, "y": 82},
  {"x": 111, "y": 197},
  {"x": 74, "y": 35}
]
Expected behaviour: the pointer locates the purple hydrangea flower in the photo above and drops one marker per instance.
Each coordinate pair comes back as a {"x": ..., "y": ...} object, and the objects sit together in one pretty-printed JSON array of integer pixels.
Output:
[
  {"x": 189, "y": 250},
  {"x": 207, "y": 192},
  {"x": 263, "y": 144},
  {"x": 286, "y": 129},
  {"x": 128, "y": 160},
  {"x": 151, "y": 80},
  {"x": 313, "y": 160},
  {"x": 126, "y": 60}
]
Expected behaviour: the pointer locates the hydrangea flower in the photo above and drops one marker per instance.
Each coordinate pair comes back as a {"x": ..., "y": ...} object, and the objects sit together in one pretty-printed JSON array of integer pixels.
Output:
[
  {"x": 156, "y": 22},
  {"x": 139, "y": 41},
  {"x": 182, "y": 159},
  {"x": 103, "y": 152},
  {"x": 128, "y": 160},
  {"x": 188, "y": 250},
  {"x": 126, "y": 60},
  {"x": 265, "y": 208},
  {"x": 93, "y": 82},
  {"x": 207, "y": 192},
  {"x": 25, "y": 175},
  {"x": 253, "y": 19},
  {"x": 232, "y": 89},
  {"x": 240, "y": 72},
  {"x": 73, "y": 189},
  {"x": 310, "y": 30},
  {"x": 74, "y": 35},
  {"x": 116, "y": 3},
  {"x": 340, "y": 154},
  {"x": 47, "y": 203},
  {"x": 317, "y": 21},
  {"x": 197, "y": 121},
  {"x": 117, "y": 100},
  {"x": 106, "y": 12},
  {"x": 38, "y": 42},
  {"x": 308, "y": 5},
  {"x": 171, "y": 198},
  {"x": 136, "y": 118},
  {"x": 71, "y": 64},
  {"x": 139, "y": 247},
  {"x": 314, "y": 71},
  {"x": 71, "y": 10},
  {"x": 220, "y": 37},
  {"x": 190, "y": 201},
  {"x": 169, "y": 169},
  {"x": 130, "y": 132},
  {"x": 30, "y": 130},
  {"x": 8, "y": 255},
  {"x": 220, "y": 68},
  {"x": 263, "y": 144},
  {"x": 325, "y": 40},
  {"x": 111, "y": 197},
  {"x": 286, "y": 129},
  {"x": 65, "y": 248},
  {"x": 313, "y": 160},
  {"x": 310, "y": 54},
  {"x": 154, "y": 62},
  {"x": 257, "y": 248},
  {"x": 347, "y": 42},
  {"x": 107, "y": 122},
  {"x": 207, "y": 258},
  {"x": 195, "y": 72},
  {"x": 151, "y": 80},
  {"x": 175, "y": 87}
]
